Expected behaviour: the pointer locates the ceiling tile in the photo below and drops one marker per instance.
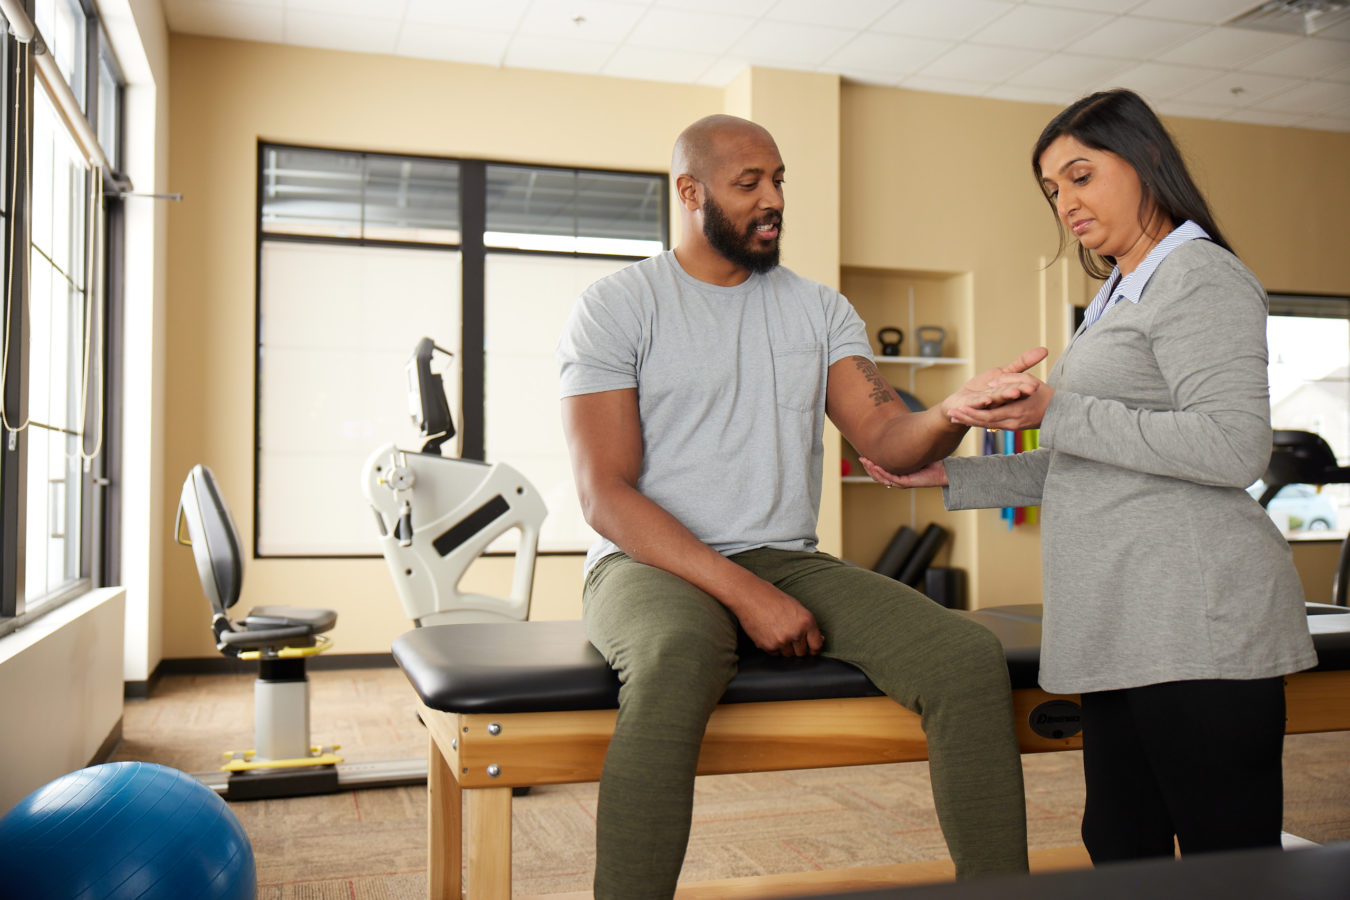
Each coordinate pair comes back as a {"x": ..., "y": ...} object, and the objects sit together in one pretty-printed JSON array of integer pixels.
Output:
[
  {"x": 1265, "y": 117},
  {"x": 534, "y": 52},
  {"x": 799, "y": 45},
  {"x": 989, "y": 65},
  {"x": 388, "y": 9},
  {"x": 721, "y": 72},
  {"x": 1039, "y": 27},
  {"x": 657, "y": 64},
  {"x": 1055, "y": 72},
  {"x": 1226, "y": 48},
  {"x": 1135, "y": 38},
  {"x": 585, "y": 20},
  {"x": 1106, "y": 6},
  {"x": 840, "y": 13},
  {"x": 708, "y": 32},
  {"x": 941, "y": 19},
  {"x": 1237, "y": 89},
  {"x": 447, "y": 42},
  {"x": 1189, "y": 110},
  {"x": 1160, "y": 80},
  {"x": 499, "y": 15},
  {"x": 888, "y": 53},
  {"x": 1311, "y": 97},
  {"x": 362, "y": 34},
  {"x": 1305, "y": 59},
  {"x": 227, "y": 20},
  {"x": 1208, "y": 12},
  {"x": 752, "y": 8},
  {"x": 1023, "y": 94},
  {"x": 1341, "y": 75},
  {"x": 921, "y": 82},
  {"x": 1340, "y": 31}
]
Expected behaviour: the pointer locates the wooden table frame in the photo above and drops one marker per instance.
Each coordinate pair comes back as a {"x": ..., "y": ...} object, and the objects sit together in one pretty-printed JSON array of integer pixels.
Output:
[{"x": 481, "y": 757}]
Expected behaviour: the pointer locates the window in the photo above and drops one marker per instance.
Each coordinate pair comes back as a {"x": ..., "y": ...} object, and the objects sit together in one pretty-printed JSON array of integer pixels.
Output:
[
  {"x": 361, "y": 255},
  {"x": 1309, "y": 343},
  {"x": 57, "y": 391},
  {"x": 64, "y": 25},
  {"x": 54, "y": 448}
]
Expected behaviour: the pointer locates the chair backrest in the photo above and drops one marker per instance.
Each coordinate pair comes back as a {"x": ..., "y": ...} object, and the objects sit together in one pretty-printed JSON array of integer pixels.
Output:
[
  {"x": 426, "y": 398},
  {"x": 213, "y": 538}
]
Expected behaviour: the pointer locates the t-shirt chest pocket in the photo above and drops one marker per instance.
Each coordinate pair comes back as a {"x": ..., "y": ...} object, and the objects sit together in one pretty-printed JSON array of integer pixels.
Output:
[{"x": 797, "y": 377}]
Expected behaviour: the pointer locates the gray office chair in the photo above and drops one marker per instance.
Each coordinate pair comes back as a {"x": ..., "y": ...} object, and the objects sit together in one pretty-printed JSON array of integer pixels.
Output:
[{"x": 279, "y": 637}]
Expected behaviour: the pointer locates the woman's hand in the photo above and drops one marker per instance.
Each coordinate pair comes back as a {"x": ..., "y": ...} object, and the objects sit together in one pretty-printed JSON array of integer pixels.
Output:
[
  {"x": 932, "y": 475},
  {"x": 1025, "y": 411},
  {"x": 995, "y": 387}
]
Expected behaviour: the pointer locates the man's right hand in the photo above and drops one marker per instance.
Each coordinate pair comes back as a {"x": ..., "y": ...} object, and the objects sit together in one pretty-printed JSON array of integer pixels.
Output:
[
  {"x": 777, "y": 623},
  {"x": 997, "y": 386}
]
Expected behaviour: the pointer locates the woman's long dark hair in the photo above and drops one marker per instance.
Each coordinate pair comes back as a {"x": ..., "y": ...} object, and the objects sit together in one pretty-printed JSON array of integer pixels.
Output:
[{"x": 1120, "y": 122}]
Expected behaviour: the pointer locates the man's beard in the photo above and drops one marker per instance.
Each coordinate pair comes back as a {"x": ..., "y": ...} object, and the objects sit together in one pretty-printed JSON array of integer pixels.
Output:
[{"x": 737, "y": 246}]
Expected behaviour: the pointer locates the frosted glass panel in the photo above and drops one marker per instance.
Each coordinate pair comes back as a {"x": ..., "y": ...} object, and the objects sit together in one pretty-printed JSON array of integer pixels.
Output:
[
  {"x": 527, "y": 301},
  {"x": 338, "y": 323}
]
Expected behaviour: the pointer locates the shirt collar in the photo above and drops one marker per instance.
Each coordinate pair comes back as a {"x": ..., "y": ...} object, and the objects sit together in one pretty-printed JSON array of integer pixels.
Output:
[{"x": 1131, "y": 287}]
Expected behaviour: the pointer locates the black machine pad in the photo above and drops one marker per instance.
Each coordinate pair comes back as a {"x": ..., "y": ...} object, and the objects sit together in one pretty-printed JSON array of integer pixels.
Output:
[{"x": 550, "y": 666}]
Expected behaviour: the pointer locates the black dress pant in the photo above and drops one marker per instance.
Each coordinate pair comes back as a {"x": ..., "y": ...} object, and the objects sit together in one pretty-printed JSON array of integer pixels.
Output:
[{"x": 1198, "y": 760}]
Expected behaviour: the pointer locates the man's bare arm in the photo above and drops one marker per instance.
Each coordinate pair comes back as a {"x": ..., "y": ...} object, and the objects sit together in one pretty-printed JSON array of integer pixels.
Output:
[{"x": 873, "y": 419}]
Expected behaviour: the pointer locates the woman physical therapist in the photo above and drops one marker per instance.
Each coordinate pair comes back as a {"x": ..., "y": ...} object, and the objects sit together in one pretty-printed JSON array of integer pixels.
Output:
[{"x": 1171, "y": 601}]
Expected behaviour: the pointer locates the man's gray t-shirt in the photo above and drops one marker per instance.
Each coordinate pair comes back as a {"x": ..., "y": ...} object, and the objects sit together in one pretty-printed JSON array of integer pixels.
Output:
[{"x": 731, "y": 393}]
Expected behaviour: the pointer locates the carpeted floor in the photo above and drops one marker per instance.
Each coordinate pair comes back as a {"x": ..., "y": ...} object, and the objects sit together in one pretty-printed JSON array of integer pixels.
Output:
[{"x": 371, "y": 844}]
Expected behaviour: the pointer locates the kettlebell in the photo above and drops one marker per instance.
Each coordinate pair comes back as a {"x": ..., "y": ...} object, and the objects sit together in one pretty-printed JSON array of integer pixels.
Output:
[
  {"x": 930, "y": 339},
  {"x": 890, "y": 339}
]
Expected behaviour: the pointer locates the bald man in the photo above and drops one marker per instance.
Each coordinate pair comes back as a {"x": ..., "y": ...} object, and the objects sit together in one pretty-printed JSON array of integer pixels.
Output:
[{"x": 695, "y": 389}]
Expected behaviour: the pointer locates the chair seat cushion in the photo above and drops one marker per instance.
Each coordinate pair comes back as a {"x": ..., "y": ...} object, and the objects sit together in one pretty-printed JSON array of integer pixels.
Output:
[{"x": 314, "y": 620}]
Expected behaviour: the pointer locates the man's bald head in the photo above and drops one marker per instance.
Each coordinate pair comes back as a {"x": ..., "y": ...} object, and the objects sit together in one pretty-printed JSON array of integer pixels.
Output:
[{"x": 698, "y": 149}]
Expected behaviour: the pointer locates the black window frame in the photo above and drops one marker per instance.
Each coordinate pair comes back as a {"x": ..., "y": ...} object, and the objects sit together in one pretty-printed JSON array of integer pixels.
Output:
[
  {"x": 100, "y": 500},
  {"x": 473, "y": 198}
]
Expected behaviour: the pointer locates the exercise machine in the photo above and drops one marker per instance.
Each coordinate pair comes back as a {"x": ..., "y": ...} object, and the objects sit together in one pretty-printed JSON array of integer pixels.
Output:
[
  {"x": 1302, "y": 457},
  {"x": 436, "y": 514}
]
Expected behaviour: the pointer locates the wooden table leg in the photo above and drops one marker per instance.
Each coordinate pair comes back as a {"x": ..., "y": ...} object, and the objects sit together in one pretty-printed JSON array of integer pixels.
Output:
[
  {"x": 489, "y": 827},
  {"x": 444, "y": 827}
]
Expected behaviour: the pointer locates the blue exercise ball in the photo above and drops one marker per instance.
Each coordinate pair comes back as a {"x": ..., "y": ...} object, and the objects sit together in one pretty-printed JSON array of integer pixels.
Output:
[{"x": 125, "y": 830}]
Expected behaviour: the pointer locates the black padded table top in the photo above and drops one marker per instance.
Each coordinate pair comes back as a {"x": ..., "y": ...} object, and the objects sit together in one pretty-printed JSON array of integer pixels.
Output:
[{"x": 550, "y": 666}]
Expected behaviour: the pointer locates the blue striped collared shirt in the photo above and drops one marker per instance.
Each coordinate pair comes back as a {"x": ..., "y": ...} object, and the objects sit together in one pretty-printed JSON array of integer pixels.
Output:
[{"x": 1131, "y": 287}]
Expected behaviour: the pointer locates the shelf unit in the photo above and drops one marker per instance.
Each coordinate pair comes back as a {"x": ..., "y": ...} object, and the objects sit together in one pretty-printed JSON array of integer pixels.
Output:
[
  {"x": 924, "y": 362},
  {"x": 906, "y": 299}
]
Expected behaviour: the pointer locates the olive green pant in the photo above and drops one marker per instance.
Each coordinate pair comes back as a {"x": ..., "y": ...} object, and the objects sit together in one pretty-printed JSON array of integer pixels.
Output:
[{"x": 674, "y": 648}]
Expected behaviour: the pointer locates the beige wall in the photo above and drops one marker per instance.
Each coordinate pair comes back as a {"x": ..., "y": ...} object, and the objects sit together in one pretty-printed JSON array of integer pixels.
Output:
[
  {"x": 939, "y": 182},
  {"x": 60, "y": 692},
  {"x": 228, "y": 95},
  {"x": 802, "y": 112},
  {"x": 925, "y": 182}
]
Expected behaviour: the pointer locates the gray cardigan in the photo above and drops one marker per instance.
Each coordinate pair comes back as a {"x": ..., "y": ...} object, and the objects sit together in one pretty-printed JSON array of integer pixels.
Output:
[{"x": 1158, "y": 566}]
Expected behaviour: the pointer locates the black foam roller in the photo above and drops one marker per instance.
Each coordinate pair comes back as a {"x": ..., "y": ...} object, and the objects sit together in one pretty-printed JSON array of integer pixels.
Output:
[
  {"x": 897, "y": 552},
  {"x": 929, "y": 544}
]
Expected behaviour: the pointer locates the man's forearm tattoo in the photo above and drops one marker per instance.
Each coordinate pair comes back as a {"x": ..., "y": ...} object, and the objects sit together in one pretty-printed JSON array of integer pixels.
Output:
[{"x": 881, "y": 391}]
